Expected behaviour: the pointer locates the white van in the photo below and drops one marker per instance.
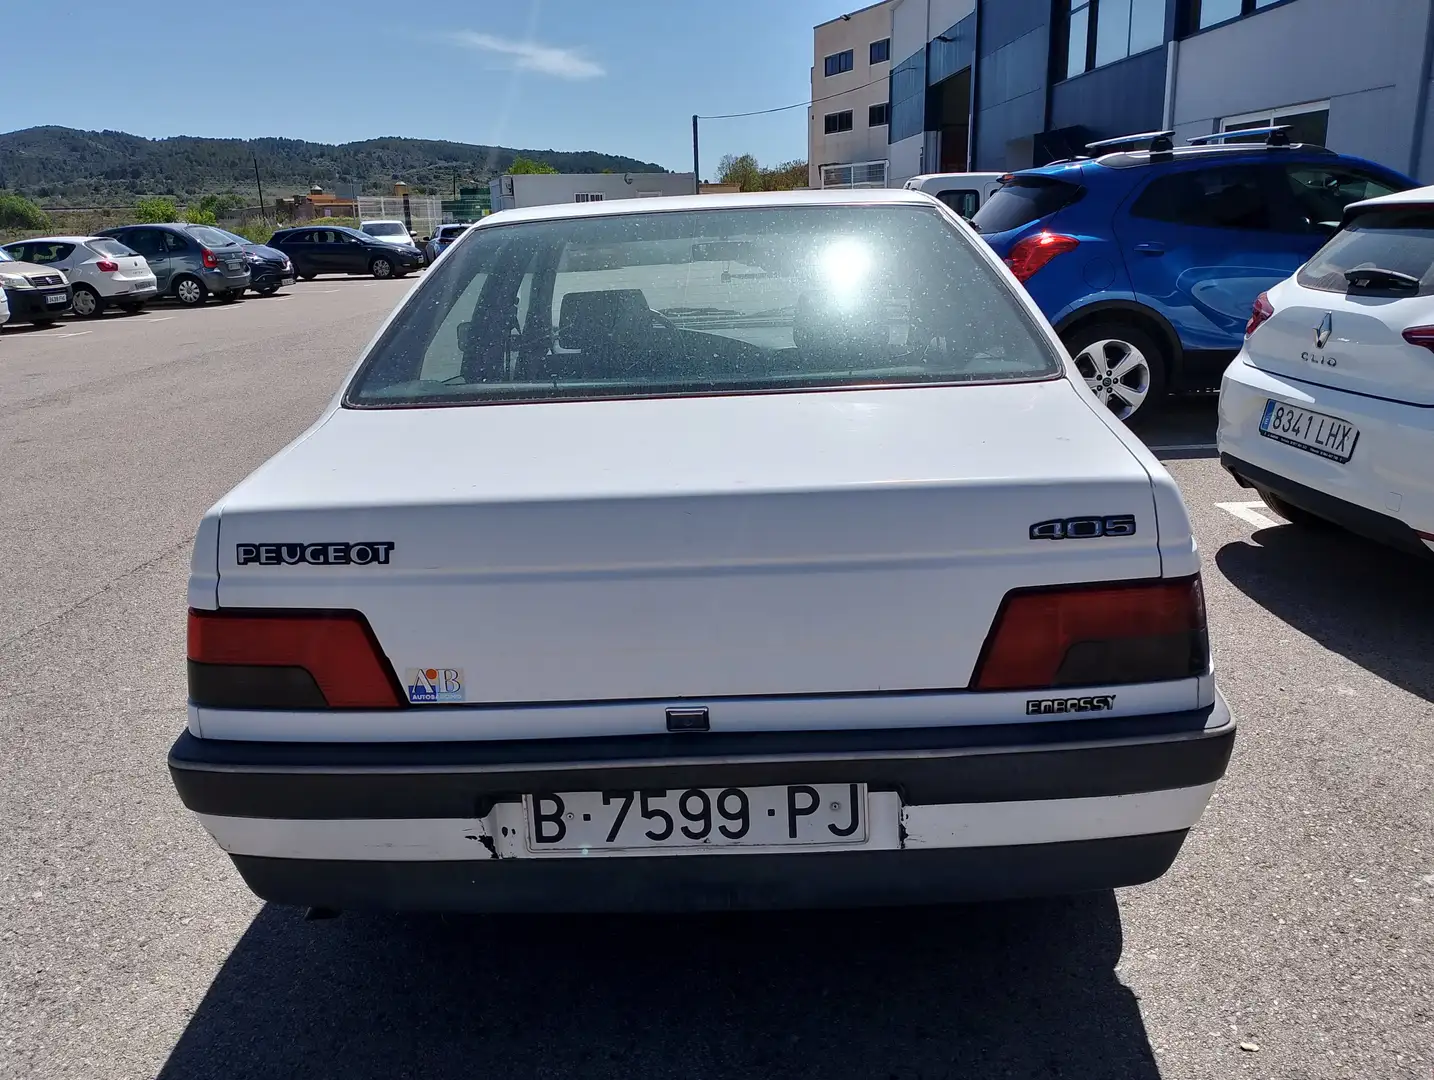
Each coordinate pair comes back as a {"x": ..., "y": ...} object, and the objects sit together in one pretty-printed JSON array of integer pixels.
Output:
[{"x": 963, "y": 192}]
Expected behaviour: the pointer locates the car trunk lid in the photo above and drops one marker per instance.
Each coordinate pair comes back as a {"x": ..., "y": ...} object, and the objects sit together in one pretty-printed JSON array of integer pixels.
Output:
[{"x": 780, "y": 544}]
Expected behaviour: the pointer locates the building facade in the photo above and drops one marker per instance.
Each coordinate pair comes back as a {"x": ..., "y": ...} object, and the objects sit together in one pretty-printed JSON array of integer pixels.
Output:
[
  {"x": 847, "y": 121},
  {"x": 541, "y": 189},
  {"x": 979, "y": 85}
]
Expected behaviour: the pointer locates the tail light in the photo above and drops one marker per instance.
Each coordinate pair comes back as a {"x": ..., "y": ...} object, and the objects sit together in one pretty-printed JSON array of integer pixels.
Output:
[
  {"x": 287, "y": 660},
  {"x": 1262, "y": 311},
  {"x": 106, "y": 266},
  {"x": 1033, "y": 252},
  {"x": 207, "y": 258},
  {"x": 1422, "y": 336},
  {"x": 1096, "y": 635}
]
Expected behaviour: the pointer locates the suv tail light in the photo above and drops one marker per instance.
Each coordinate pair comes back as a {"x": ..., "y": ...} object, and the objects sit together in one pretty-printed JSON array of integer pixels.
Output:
[
  {"x": 107, "y": 266},
  {"x": 1422, "y": 336},
  {"x": 287, "y": 660},
  {"x": 1263, "y": 309},
  {"x": 1096, "y": 635},
  {"x": 207, "y": 258},
  {"x": 1033, "y": 252}
]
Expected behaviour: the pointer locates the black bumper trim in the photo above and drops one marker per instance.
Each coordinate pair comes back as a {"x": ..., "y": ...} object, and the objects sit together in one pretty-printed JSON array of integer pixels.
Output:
[
  {"x": 1011, "y": 762},
  {"x": 1357, "y": 519},
  {"x": 716, "y": 883}
]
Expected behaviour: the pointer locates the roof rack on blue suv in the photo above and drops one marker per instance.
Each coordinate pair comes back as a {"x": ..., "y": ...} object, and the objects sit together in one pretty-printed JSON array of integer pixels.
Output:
[{"x": 1147, "y": 258}]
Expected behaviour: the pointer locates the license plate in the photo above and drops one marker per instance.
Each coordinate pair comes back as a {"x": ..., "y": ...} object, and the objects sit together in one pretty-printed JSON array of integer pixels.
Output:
[
  {"x": 790, "y": 816},
  {"x": 55, "y": 298},
  {"x": 1316, "y": 433},
  {"x": 235, "y": 266},
  {"x": 286, "y": 281}
]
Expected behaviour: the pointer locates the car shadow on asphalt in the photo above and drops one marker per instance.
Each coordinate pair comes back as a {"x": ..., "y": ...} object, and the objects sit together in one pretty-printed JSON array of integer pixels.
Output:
[
  {"x": 1367, "y": 602},
  {"x": 1022, "y": 989}
]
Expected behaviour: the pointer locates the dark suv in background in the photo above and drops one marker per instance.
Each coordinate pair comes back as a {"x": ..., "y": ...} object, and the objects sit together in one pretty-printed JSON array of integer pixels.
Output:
[
  {"x": 1147, "y": 257},
  {"x": 334, "y": 249}
]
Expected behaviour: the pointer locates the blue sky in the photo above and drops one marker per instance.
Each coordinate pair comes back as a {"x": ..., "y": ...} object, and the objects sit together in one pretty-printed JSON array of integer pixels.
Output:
[{"x": 621, "y": 76}]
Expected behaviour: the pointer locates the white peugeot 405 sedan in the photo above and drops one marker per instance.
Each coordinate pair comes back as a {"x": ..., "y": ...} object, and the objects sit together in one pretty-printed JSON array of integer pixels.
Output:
[
  {"x": 711, "y": 552},
  {"x": 1328, "y": 411}
]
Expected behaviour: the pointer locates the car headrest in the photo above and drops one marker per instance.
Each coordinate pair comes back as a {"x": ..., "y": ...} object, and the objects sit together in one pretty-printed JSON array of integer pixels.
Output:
[{"x": 589, "y": 319}]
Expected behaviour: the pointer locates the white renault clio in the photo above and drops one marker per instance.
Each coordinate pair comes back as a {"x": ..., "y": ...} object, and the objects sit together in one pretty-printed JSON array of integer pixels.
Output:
[
  {"x": 1328, "y": 411},
  {"x": 716, "y": 552}
]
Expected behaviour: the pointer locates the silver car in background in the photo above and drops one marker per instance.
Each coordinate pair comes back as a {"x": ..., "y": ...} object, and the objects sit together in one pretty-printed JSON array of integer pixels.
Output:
[
  {"x": 102, "y": 271},
  {"x": 190, "y": 262}
]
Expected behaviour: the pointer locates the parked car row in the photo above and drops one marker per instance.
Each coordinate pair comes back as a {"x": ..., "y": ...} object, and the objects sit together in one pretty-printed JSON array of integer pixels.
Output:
[{"x": 48, "y": 277}]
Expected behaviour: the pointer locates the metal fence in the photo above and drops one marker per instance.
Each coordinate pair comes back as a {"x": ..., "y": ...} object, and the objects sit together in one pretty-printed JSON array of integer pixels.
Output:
[
  {"x": 426, "y": 210},
  {"x": 860, "y": 174}
]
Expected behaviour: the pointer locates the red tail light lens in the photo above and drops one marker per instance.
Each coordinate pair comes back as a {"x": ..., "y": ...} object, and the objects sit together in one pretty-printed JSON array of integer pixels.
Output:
[
  {"x": 105, "y": 266},
  {"x": 287, "y": 660},
  {"x": 1262, "y": 310},
  {"x": 1423, "y": 336},
  {"x": 207, "y": 258},
  {"x": 1029, "y": 255},
  {"x": 1096, "y": 635}
]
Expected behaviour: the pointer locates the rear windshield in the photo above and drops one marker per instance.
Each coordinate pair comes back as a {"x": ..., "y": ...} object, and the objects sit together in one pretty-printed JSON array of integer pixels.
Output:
[
  {"x": 1022, "y": 200},
  {"x": 452, "y": 232},
  {"x": 701, "y": 302},
  {"x": 110, "y": 248},
  {"x": 210, "y": 238},
  {"x": 385, "y": 228},
  {"x": 1397, "y": 239}
]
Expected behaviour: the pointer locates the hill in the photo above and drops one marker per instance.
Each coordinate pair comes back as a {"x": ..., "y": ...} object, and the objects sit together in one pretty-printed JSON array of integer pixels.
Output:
[{"x": 59, "y": 166}]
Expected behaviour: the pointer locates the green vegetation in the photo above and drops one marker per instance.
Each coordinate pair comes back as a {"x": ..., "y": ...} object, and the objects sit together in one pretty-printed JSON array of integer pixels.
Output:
[
  {"x": 60, "y": 166},
  {"x": 524, "y": 166},
  {"x": 744, "y": 171},
  {"x": 18, "y": 212},
  {"x": 156, "y": 210}
]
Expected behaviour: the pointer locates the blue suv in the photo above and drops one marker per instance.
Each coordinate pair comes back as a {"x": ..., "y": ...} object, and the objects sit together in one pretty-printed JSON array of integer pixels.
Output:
[{"x": 1148, "y": 261}]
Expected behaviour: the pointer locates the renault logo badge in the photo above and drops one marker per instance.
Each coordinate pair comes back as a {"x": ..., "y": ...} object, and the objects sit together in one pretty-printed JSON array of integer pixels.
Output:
[{"x": 1322, "y": 331}]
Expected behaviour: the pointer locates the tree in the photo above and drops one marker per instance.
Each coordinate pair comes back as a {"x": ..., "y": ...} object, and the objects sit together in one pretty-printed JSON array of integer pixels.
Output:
[
  {"x": 524, "y": 166},
  {"x": 18, "y": 212},
  {"x": 788, "y": 176},
  {"x": 742, "y": 171},
  {"x": 154, "y": 210}
]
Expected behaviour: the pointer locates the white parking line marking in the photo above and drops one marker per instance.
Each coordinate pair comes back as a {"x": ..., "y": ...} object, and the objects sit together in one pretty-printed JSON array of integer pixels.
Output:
[
  {"x": 1249, "y": 512},
  {"x": 78, "y": 333}
]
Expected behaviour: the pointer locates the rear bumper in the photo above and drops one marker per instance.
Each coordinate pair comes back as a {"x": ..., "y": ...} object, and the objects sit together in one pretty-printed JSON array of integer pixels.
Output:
[
  {"x": 263, "y": 276},
  {"x": 220, "y": 281},
  {"x": 984, "y": 813}
]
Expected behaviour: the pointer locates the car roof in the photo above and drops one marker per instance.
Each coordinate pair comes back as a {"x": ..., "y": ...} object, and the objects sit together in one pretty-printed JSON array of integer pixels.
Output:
[
  {"x": 734, "y": 201},
  {"x": 56, "y": 240},
  {"x": 1420, "y": 196},
  {"x": 1128, "y": 159},
  {"x": 380, "y": 221}
]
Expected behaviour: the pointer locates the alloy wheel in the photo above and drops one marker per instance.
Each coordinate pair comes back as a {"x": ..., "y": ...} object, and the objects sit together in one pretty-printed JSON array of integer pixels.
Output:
[{"x": 1117, "y": 373}]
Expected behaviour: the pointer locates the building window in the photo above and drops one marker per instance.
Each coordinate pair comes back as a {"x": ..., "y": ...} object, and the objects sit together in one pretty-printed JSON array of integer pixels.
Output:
[
  {"x": 838, "y": 121},
  {"x": 837, "y": 63},
  {"x": 1307, "y": 123},
  {"x": 588, "y": 196},
  {"x": 1100, "y": 32},
  {"x": 862, "y": 174},
  {"x": 1207, "y": 13},
  {"x": 878, "y": 115},
  {"x": 881, "y": 51}
]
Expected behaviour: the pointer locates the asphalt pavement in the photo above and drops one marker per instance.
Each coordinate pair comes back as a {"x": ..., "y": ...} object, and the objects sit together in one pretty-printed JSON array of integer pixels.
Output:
[{"x": 1293, "y": 938}]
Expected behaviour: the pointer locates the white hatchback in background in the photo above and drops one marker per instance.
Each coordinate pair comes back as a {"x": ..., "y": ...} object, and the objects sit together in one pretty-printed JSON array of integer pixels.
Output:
[
  {"x": 963, "y": 192},
  {"x": 389, "y": 232},
  {"x": 722, "y": 551},
  {"x": 101, "y": 270},
  {"x": 1328, "y": 411}
]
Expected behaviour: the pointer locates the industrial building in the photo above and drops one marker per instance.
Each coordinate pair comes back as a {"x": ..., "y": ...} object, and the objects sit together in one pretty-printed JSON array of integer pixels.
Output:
[
  {"x": 540, "y": 189},
  {"x": 1004, "y": 84}
]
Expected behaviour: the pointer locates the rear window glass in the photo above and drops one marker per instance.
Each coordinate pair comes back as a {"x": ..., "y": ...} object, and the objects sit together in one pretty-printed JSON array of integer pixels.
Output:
[
  {"x": 209, "y": 237},
  {"x": 1397, "y": 239},
  {"x": 702, "y": 302},
  {"x": 385, "y": 228},
  {"x": 1022, "y": 200},
  {"x": 111, "y": 248}
]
